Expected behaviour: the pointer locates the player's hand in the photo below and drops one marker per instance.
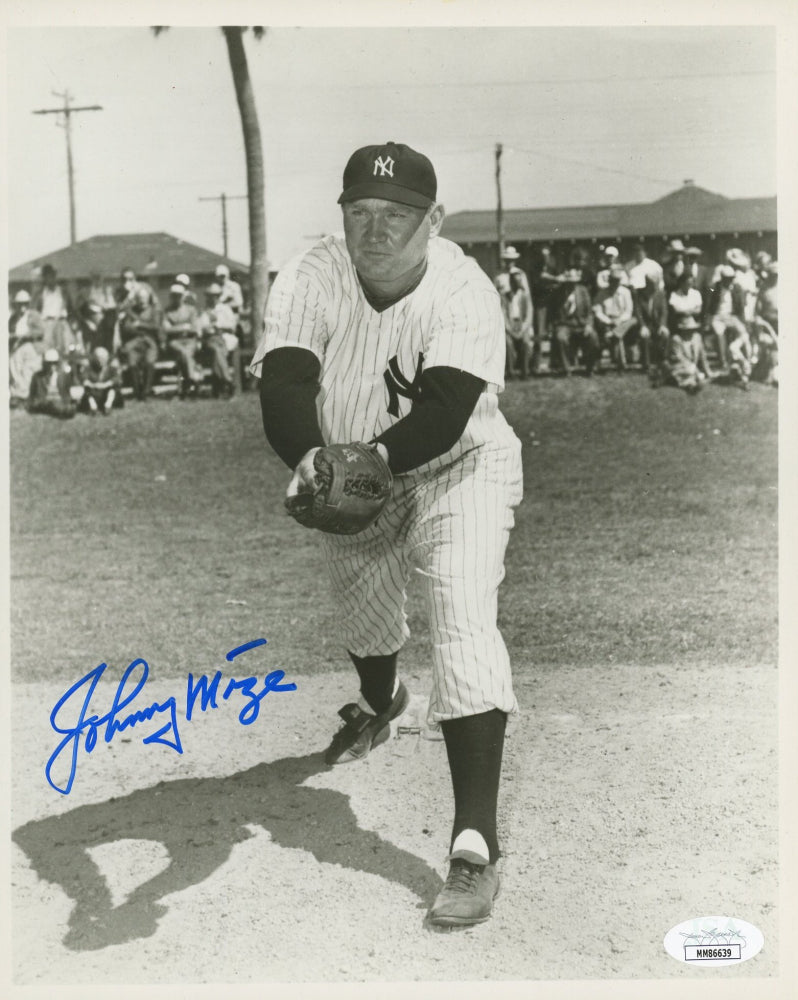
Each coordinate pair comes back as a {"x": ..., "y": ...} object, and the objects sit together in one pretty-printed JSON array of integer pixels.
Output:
[{"x": 304, "y": 478}]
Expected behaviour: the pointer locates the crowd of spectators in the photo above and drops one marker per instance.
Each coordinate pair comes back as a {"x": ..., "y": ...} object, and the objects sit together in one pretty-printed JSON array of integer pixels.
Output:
[
  {"x": 68, "y": 357},
  {"x": 683, "y": 322},
  {"x": 670, "y": 317}
]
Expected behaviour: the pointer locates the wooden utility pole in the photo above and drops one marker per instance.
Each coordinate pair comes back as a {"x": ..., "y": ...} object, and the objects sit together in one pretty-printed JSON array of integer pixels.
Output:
[
  {"x": 67, "y": 111},
  {"x": 224, "y": 198},
  {"x": 499, "y": 211}
]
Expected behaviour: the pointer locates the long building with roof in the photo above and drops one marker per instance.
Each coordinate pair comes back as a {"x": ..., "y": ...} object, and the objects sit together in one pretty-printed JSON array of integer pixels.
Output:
[
  {"x": 699, "y": 217},
  {"x": 155, "y": 257}
]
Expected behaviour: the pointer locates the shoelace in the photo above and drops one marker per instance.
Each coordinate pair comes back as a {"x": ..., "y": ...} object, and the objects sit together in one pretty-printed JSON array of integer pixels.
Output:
[{"x": 463, "y": 876}]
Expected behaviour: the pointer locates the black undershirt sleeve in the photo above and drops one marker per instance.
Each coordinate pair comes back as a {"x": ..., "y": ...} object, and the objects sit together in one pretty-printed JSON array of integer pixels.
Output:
[
  {"x": 289, "y": 384},
  {"x": 438, "y": 415},
  {"x": 437, "y": 418}
]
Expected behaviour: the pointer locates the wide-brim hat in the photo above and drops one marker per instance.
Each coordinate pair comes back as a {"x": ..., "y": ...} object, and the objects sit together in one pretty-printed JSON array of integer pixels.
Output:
[
  {"x": 694, "y": 252},
  {"x": 213, "y": 289},
  {"x": 725, "y": 271},
  {"x": 393, "y": 172},
  {"x": 51, "y": 355},
  {"x": 676, "y": 246},
  {"x": 510, "y": 253},
  {"x": 22, "y": 296}
]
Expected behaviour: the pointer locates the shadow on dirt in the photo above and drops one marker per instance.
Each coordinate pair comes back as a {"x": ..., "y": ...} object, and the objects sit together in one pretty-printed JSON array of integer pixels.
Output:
[{"x": 198, "y": 820}]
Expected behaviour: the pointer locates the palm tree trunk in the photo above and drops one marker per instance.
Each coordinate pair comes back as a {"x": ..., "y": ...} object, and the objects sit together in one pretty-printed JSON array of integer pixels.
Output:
[{"x": 253, "y": 148}]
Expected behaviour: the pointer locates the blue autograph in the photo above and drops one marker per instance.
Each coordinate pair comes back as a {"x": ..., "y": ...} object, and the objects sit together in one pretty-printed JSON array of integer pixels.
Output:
[{"x": 134, "y": 678}]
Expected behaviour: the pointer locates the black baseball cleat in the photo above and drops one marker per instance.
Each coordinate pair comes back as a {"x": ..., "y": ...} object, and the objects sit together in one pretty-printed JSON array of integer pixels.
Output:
[
  {"x": 362, "y": 731},
  {"x": 467, "y": 894}
]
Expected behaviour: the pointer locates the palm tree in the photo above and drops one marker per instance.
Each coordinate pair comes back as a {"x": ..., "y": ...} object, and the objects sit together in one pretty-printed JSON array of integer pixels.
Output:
[{"x": 253, "y": 149}]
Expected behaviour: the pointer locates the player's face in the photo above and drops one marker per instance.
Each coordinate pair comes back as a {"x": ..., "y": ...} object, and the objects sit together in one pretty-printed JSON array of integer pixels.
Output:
[{"x": 386, "y": 240}]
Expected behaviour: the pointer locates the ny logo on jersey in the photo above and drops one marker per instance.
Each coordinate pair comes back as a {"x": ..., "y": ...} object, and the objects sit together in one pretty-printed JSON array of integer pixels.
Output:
[
  {"x": 385, "y": 166},
  {"x": 399, "y": 386}
]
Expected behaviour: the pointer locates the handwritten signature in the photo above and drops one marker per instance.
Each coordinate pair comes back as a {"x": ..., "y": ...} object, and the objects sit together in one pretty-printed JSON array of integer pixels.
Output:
[{"x": 204, "y": 690}]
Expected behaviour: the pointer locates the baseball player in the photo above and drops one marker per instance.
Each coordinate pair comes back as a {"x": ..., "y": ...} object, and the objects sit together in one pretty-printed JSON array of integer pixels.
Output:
[{"x": 390, "y": 335}]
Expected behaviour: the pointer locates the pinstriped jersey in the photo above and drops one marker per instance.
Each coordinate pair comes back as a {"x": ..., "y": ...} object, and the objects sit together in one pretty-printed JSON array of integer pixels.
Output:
[{"x": 371, "y": 362}]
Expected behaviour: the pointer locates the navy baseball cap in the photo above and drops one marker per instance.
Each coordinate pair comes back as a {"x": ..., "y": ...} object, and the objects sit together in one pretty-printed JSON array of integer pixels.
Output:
[{"x": 391, "y": 171}]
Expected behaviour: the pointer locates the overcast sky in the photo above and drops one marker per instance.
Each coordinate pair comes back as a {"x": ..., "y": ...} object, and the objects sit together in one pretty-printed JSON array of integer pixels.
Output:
[{"x": 586, "y": 116}]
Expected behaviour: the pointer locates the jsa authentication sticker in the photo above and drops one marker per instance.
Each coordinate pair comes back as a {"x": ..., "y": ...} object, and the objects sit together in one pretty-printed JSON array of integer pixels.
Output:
[{"x": 713, "y": 941}]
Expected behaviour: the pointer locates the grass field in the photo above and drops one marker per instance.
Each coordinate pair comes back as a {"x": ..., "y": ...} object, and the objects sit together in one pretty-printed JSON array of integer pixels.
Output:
[{"x": 648, "y": 535}]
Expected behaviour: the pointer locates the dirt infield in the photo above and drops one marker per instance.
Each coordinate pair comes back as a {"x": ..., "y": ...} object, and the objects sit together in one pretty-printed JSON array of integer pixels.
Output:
[
  {"x": 640, "y": 776},
  {"x": 631, "y": 802}
]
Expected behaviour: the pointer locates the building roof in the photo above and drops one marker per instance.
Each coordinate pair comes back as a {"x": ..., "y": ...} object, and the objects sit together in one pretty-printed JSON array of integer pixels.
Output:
[
  {"x": 688, "y": 210},
  {"x": 149, "y": 254}
]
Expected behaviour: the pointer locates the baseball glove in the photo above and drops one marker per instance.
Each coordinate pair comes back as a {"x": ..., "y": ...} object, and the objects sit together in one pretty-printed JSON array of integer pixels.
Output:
[{"x": 353, "y": 483}]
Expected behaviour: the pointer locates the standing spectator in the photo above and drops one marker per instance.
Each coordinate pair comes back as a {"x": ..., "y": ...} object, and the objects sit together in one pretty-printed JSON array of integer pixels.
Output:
[
  {"x": 572, "y": 324},
  {"x": 642, "y": 268},
  {"x": 702, "y": 278},
  {"x": 674, "y": 264},
  {"x": 231, "y": 294},
  {"x": 766, "y": 326},
  {"x": 745, "y": 278},
  {"x": 613, "y": 312},
  {"x": 216, "y": 325},
  {"x": 139, "y": 328},
  {"x": 651, "y": 313},
  {"x": 580, "y": 260},
  {"x": 25, "y": 335},
  {"x": 102, "y": 383},
  {"x": 54, "y": 305},
  {"x": 545, "y": 282},
  {"x": 726, "y": 314},
  {"x": 180, "y": 332},
  {"x": 686, "y": 365},
  {"x": 50, "y": 389},
  {"x": 517, "y": 309}
]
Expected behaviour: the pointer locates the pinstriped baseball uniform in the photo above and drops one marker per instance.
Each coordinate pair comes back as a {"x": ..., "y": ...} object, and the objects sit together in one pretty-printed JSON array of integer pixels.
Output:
[{"x": 448, "y": 519}]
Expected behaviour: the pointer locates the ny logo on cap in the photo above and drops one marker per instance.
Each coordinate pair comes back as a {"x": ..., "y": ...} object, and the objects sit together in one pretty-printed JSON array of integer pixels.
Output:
[{"x": 385, "y": 166}]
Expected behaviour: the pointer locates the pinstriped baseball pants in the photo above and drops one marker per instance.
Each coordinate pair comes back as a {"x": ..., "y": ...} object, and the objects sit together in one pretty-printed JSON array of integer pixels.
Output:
[{"x": 451, "y": 527}]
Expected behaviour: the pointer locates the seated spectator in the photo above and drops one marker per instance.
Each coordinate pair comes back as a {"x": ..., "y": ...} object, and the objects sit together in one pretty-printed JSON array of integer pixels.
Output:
[
  {"x": 517, "y": 309},
  {"x": 609, "y": 259},
  {"x": 139, "y": 328},
  {"x": 180, "y": 339},
  {"x": 189, "y": 298},
  {"x": 54, "y": 305},
  {"x": 766, "y": 327},
  {"x": 96, "y": 314},
  {"x": 642, "y": 268},
  {"x": 49, "y": 389},
  {"x": 572, "y": 323},
  {"x": 726, "y": 319},
  {"x": 686, "y": 364},
  {"x": 651, "y": 313},
  {"x": 102, "y": 383},
  {"x": 25, "y": 336},
  {"x": 613, "y": 316},
  {"x": 216, "y": 325},
  {"x": 90, "y": 323},
  {"x": 683, "y": 300},
  {"x": 231, "y": 294}
]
